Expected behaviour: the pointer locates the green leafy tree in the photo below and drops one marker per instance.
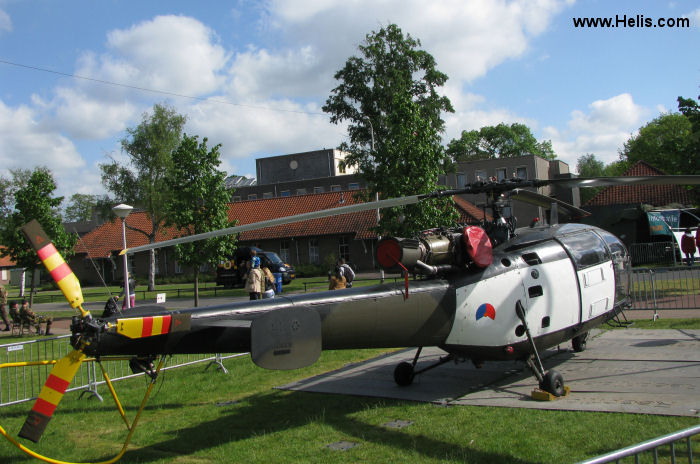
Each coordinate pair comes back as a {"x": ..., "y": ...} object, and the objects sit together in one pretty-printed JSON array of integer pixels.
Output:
[
  {"x": 34, "y": 200},
  {"x": 81, "y": 207},
  {"x": 199, "y": 204},
  {"x": 8, "y": 187},
  {"x": 666, "y": 143},
  {"x": 501, "y": 141},
  {"x": 144, "y": 182},
  {"x": 389, "y": 98}
]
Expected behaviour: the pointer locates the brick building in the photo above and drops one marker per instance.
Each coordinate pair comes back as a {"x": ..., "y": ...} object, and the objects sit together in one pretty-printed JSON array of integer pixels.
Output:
[{"x": 308, "y": 242}]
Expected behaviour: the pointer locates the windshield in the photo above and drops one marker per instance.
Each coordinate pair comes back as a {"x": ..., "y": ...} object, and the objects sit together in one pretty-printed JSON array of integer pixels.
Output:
[{"x": 272, "y": 256}]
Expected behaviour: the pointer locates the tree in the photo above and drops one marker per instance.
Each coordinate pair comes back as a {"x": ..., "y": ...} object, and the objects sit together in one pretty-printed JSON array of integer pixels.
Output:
[
  {"x": 501, "y": 141},
  {"x": 666, "y": 143},
  {"x": 8, "y": 187},
  {"x": 81, "y": 207},
  {"x": 198, "y": 205},
  {"x": 389, "y": 97},
  {"x": 34, "y": 201},
  {"x": 144, "y": 183}
]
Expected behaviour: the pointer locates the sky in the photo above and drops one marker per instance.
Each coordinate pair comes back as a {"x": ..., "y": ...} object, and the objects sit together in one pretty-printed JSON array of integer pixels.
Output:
[{"x": 253, "y": 75}]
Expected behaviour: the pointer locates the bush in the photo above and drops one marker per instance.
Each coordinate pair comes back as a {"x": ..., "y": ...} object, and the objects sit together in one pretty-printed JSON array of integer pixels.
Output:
[{"x": 311, "y": 270}]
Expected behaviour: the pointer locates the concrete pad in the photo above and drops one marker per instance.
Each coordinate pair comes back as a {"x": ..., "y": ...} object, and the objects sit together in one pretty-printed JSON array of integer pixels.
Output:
[{"x": 631, "y": 370}]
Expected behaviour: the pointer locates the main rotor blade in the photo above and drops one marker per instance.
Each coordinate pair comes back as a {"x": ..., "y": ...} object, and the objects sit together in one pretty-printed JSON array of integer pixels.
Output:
[
  {"x": 283, "y": 220},
  {"x": 631, "y": 180},
  {"x": 50, "y": 395},
  {"x": 544, "y": 201}
]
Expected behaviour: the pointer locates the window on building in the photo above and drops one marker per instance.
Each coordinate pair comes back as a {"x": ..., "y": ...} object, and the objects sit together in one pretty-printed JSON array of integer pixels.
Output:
[
  {"x": 344, "y": 248},
  {"x": 461, "y": 179},
  {"x": 285, "y": 193},
  {"x": 335, "y": 188},
  {"x": 301, "y": 191},
  {"x": 318, "y": 189},
  {"x": 284, "y": 250},
  {"x": 236, "y": 198},
  {"x": 442, "y": 179},
  {"x": 267, "y": 195},
  {"x": 521, "y": 172},
  {"x": 480, "y": 175},
  {"x": 353, "y": 186},
  {"x": 178, "y": 267},
  {"x": 341, "y": 168},
  {"x": 313, "y": 251},
  {"x": 501, "y": 174},
  {"x": 253, "y": 196}
]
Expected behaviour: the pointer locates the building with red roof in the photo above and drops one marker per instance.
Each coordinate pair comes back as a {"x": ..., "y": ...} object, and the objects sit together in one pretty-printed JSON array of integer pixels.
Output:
[
  {"x": 300, "y": 243},
  {"x": 6, "y": 265}
]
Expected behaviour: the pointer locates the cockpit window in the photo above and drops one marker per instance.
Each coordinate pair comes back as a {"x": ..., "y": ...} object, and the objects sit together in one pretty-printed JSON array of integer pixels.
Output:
[{"x": 586, "y": 248}]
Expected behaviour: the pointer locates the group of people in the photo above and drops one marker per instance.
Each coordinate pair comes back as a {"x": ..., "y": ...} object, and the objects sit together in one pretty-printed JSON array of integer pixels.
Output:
[
  {"x": 22, "y": 313},
  {"x": 690, "y": 244},
  {"x": 259, "y": 281},
  {"x": 342, "y": 277}
]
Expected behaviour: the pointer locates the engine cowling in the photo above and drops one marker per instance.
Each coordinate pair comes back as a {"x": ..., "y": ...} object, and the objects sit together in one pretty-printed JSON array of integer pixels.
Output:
[{"x": 436, "y": 251}]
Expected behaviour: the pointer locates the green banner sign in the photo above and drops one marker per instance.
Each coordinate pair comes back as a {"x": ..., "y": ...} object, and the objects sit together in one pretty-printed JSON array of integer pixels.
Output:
[{"x": 658, "y": 224}]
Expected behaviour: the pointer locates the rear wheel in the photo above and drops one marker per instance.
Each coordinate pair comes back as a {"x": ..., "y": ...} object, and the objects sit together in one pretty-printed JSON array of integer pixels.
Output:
[
  {"x": 579, "y": 342},
  {"x": 403, "y": 374}
]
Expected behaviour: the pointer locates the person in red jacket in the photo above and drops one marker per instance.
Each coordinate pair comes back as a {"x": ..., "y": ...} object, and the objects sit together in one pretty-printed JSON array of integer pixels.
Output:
[{"x": 688, "y": 246}]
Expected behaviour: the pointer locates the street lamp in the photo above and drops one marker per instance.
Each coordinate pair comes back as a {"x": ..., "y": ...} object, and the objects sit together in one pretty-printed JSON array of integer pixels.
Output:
[{"x": 123, "y": 211}]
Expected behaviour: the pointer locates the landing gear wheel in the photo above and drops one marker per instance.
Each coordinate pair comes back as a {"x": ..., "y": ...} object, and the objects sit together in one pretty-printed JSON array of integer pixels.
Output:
[
  {"x": 403, "y": 374},
  {"x": 579, "y": 342},
  {"x": 553, "y": 383}
]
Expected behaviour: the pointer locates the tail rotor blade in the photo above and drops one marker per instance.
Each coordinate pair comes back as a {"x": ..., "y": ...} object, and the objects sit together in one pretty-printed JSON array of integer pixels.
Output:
[
  {"x": 50, "y": 395},
  {"x": 55, "y": 264}
]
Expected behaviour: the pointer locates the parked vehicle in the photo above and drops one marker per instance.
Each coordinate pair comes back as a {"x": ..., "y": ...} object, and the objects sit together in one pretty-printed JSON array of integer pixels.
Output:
[{"x": 231, "y": 273}]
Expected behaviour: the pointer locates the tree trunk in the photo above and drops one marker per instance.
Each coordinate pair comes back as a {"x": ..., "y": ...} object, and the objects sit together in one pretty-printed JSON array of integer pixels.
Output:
[
  {"x": 196, "y": 286},
  {"x": 152, "y": 271},
  {"x": 32, "y": 288}
]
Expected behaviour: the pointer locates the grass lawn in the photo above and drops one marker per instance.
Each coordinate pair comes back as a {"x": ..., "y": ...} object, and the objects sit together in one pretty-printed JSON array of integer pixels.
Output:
[{"x": 198, "y": 416}]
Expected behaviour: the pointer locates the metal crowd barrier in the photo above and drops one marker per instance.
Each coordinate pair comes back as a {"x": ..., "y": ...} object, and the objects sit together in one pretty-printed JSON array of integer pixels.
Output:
[
  {"x": 21, "y": 384},
  {"x": 652, "y": 445},
  {"x": 666, "y": 288},
  {"x": 653, "y": 253}
]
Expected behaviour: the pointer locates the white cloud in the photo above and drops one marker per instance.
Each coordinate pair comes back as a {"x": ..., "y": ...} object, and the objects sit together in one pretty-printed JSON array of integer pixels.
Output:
[
  {"x": 170, "y": 53},
  {"x": 26, "y": 143},
  {"x": 602, "y": 130},
  {"x": 5, "y": 22}
]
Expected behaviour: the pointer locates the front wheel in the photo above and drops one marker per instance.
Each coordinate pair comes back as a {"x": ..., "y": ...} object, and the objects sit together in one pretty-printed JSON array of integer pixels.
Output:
[{"x": 553, "y": 383}]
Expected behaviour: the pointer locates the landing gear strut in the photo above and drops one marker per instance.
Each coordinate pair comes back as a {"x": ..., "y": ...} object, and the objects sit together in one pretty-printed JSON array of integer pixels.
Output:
[
  {"x": 552, "y": 381},
  {"x": 405, "y": 371}
]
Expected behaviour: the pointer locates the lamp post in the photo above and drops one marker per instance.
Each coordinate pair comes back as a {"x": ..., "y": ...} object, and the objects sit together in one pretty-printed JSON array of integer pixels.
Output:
[
  {"x": 376, "y": 194},
  {"x": 123, "y": 211}
]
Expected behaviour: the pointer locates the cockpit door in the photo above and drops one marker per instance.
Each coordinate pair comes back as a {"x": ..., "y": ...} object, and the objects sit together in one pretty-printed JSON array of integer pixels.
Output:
[{"x": 594, "y": 270}]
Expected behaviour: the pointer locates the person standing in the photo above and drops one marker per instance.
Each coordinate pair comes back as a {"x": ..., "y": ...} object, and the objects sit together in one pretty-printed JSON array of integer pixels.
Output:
[
  {"x": 688, "y": 246},
  {"x": 347, "y": 272},
  {"x": 3, "y": 308},
  {"x": 132, "y": 293},
  {"x": 254, "y": 279},
  {"x": 269, "y": 283}
]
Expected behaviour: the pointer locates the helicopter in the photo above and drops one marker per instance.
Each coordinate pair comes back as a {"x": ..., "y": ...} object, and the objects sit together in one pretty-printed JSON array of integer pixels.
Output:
[{"x": 480, "y": 293}]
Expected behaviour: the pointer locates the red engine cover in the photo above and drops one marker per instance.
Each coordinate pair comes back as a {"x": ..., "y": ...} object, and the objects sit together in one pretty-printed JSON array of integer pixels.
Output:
[{"x": 478, "y": 246}]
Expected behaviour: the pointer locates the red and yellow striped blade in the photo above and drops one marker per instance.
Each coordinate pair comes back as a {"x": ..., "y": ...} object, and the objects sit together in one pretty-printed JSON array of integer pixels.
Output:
[
  {"x": 52, "y": 259},
  {"x": 50, "y": 395},
  {"x": 140, "y": 327}
]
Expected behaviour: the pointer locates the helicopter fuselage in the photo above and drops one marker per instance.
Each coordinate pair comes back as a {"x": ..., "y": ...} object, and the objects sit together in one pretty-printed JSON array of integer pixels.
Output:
[{"x": 567, "y": 278}]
